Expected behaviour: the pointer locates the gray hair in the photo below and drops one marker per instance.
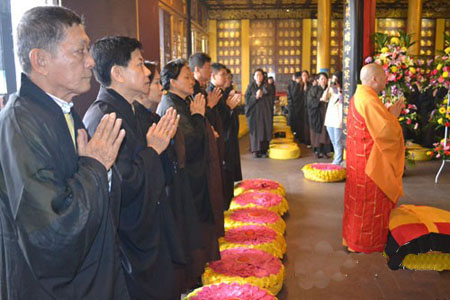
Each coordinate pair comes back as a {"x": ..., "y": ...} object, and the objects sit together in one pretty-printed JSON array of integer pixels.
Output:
[{"x": 42, "y": 27}]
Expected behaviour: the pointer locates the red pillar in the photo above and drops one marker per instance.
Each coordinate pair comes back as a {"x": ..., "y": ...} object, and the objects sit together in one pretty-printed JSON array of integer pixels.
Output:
[{"x": 369, "y": 27}]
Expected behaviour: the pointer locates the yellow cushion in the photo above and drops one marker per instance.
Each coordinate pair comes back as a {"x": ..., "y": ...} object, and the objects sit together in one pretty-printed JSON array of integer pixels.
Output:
[{"x": 284, "y": 151}]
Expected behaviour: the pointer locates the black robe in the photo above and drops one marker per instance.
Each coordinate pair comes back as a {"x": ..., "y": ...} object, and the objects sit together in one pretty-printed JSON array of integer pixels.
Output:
[
  {"x": 316, "y": 113},
  {"x": 178, "y": 191},
  {"x": 304, "y": 134},
  {"x": 57, "y": 222},
  {"x": 147, "y": 229},
  {"x": 193, "y": 128},
  {"x": 259, "y": 117},
  {"x": 294, "y": 106},
  {"x": 231, "y": 161}
]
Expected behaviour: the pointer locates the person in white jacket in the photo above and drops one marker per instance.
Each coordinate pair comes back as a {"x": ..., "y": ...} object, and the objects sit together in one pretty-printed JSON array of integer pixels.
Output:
[{"x": 333, "y": 117}]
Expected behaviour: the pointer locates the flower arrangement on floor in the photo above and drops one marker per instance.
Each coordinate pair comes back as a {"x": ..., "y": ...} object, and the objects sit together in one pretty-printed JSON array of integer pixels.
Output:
[
  {"x": 229, "y": 291},
  {"x": 244, "y": 265},
  {"x": 270, "y": 201},
  {"x": 440, "y": 150},
  {"x": 401, "y": 73},
  {"x": 254, "y": 216},
  {"x": 259, "y": 184},
  {"x": 323, "y": 172},
  {"x": 255, "y": 237}
]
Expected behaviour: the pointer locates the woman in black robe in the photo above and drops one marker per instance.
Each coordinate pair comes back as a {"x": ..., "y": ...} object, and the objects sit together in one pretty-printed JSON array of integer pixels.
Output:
[
  {"x": 177, "y": 81},
  {"x": 294, "y": 93},
  {"x": 316, "y": 111},
  {"x": 178, "y": 188},
  {"x": 258, "y": 110},
  {"x": 304, "y": 133}
]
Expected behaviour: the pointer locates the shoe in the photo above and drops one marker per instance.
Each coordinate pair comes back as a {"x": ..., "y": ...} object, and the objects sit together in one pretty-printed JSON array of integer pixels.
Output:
[
  {"x": 264, "y": 155},
  {"x": 256, "y": 155},
  {"x": 326, "y": 156},
  {"x": 318, "y": 155},
  {"x": 308, "y": 146}
]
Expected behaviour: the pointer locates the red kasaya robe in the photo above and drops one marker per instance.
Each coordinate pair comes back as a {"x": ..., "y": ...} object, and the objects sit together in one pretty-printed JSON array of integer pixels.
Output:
[{"x": 375, "y": 164}]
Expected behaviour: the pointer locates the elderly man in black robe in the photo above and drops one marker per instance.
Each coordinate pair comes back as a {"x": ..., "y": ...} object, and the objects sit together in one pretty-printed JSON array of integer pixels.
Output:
[
  {"x": 147, "y": 230},
  {"x": 58, "y": 223},
  {"x": 258, "y": 110}
]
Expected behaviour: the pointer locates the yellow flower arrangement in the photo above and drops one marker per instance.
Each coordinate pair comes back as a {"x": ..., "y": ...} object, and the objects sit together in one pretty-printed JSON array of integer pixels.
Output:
[
  {"x": 442, "y": 110},
  {"x": 270, "y": 201},
  {"x": 254, "y": 237},
  {"x": 254, "y": 216},
  {"x": 324, "y": 172},
  {"x": 271, "y": 281},
  {"x": 259, "y": 184},
  {"x": 232, "y": 290}
]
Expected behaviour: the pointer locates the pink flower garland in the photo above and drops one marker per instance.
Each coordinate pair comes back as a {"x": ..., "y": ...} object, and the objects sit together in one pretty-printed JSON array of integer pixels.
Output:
[
  {"x": 250, "y": 235},
  {"x": 245, "y": 262},
  {"x": 254, "y": 215},
  {"x": 259, "y": 198},
  {"x": 259, "y": 184},
  {"x": 227, "y": 291},
  {"x": 326, "y": 167}
]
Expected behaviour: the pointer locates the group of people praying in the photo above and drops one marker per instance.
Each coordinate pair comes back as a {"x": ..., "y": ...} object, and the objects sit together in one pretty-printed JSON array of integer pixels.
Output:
[{"x": 128, "y": 202}]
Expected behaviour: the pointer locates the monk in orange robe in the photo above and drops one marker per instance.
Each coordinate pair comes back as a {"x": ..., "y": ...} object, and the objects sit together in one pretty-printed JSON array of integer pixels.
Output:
[{"x": 375, "y": 164}]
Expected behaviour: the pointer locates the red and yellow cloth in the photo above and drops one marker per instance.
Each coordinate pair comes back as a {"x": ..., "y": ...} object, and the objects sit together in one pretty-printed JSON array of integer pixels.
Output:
[{"x": 415, "y": 229}]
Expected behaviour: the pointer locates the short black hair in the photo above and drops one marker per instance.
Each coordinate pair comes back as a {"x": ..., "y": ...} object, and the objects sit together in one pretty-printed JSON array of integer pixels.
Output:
[
  {"x": 43, "y": 27},
  {"x": 153, "y": 67},
  {"x": 198, "y": 60},
  {"x": 216, "y": 67},
  {"x": 171, "y": 71},
  {"x": 305, "y": 71},
  {"x": 297, "y": 74},
  {"x": 322, "y": 73},
  {"x": 338, "y": 75},
  {"x": 112, "y": 51}
]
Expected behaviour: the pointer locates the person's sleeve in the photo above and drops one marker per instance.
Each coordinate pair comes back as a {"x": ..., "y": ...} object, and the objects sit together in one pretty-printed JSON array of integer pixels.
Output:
[
  {"x": 57, "y": 218},
  {"x": 129, "y": 162},
  {"x": 250, "y": 100},
  {"x": 382, "y": 125},
  {"x": 194, "y": 134}
]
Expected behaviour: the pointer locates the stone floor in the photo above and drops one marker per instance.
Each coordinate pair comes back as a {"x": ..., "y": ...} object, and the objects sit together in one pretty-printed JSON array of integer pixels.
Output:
[{"x": 317, "y": 267}]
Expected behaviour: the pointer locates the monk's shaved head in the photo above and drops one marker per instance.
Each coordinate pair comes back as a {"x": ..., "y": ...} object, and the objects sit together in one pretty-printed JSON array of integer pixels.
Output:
[{"x": 373, "y": 75}]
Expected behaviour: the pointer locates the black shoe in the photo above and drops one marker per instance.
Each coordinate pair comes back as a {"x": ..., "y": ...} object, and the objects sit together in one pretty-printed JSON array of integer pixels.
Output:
[
  {"x": 256, "y": 155},
  {"x": 264, "y": 155},
  {"x": 326, "y": 155}
]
